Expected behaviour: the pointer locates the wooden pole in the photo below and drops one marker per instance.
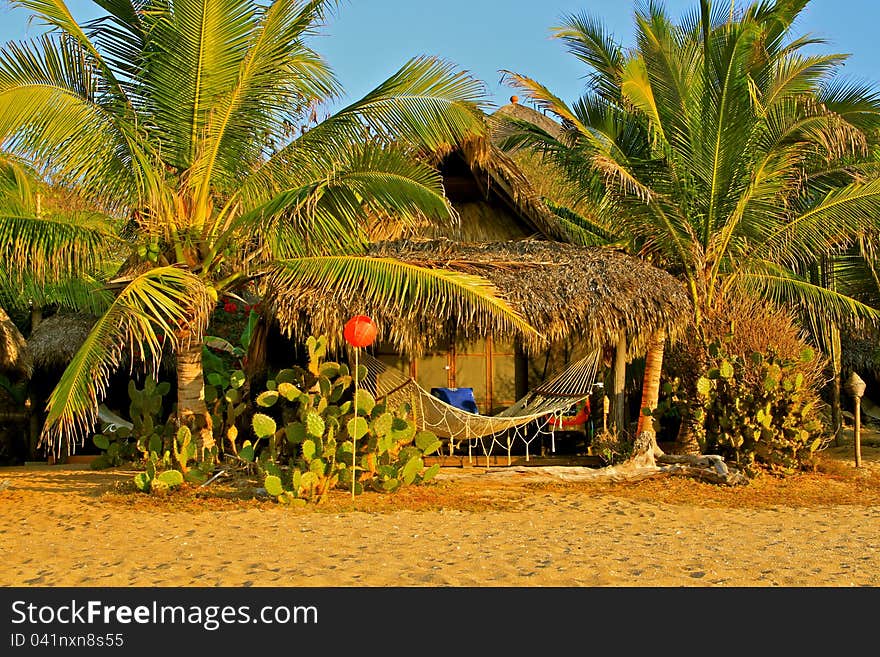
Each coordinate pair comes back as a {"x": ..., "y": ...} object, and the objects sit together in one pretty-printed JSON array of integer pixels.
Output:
[
  {"x": 856, "y": 387},
  {"x": 836, "y": 415},
  {"x": 857, "y": 431},
  {"x": 354, "y": 433},
  {"x": 619, "y": 420}
]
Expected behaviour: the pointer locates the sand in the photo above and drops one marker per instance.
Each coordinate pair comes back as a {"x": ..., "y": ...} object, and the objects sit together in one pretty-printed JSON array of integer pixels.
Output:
[{"x": 71, "y": 526}]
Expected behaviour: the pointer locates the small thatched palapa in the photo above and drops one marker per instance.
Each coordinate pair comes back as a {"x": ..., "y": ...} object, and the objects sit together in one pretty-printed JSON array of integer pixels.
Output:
[
  {"x": 564, "y": 291},
  {"x": 15, "y": 357},
  {"x": 57, "y": 338}
]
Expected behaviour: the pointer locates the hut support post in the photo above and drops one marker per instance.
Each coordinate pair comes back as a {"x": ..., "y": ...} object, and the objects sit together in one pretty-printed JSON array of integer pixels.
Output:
[
  {"x": 520, "y": 369},
  {"x": 857, "y": 432},
  {"x": 620, "y": 385}
]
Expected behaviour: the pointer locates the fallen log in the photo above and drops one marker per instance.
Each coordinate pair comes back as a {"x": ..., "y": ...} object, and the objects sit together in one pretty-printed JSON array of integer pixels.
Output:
[{"x": 648, "y": 461}]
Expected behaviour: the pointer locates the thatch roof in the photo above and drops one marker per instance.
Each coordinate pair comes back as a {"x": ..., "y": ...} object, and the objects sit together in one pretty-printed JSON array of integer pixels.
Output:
[
  {"x": 15, "y": 357},
  {"x": 501, "y": 174},
  {"x": 521, "y": 112},
  {"x": 500, "y": 182},
  {"x": 861, "y": 351},
  {"x": 588, "y": 293},
  {"x": 547, "y": 178},
  {"x": 57, "y": 338}
]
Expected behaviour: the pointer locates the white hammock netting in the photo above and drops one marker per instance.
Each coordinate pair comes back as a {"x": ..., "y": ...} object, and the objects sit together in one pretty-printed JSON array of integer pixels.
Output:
[{"x": 539, "y": 413}]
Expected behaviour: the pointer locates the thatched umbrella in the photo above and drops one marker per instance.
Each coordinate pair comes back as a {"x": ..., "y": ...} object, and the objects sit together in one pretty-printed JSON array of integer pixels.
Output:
[
  {"x": 15, "y": 357},
  {"x": 56, "y": 339},
  {"x": 594, "y": 294}
]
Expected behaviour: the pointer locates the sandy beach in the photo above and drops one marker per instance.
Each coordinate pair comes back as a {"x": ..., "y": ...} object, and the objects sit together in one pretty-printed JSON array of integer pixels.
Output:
[{"x": 71, "y": 526}]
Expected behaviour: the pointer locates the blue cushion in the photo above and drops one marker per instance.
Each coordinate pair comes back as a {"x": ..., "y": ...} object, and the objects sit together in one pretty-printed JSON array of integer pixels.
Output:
[{"x": 462, "y": 398}]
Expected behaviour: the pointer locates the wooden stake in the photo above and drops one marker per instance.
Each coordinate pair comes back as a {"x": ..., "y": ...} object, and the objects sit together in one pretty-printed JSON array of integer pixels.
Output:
[{"x": 857, "y": 431}]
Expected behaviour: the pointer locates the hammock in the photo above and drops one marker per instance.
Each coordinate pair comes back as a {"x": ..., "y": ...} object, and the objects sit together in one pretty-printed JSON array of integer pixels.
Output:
[{"x": 542, "y": 408}]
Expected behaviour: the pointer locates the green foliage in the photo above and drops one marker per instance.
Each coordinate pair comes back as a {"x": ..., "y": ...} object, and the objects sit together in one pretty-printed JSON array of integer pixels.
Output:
[
  {"x": 117, "y": 447},
  {"x": 683, "y": 149},
  {"x": 758, "y": 410},
  {"x": 206, "y": 130},
  {"x": 17, "y": 391},
  {"x": 149, "y": 431},
  {"x": 174, "y": 464},
  {"x": 327, "y": 444},
  {"x": 225, "y": 384},
  {"x": 168, "y": 453}
]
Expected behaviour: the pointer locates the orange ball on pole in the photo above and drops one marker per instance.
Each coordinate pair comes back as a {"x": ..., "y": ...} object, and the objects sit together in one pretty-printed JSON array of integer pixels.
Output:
[{"x": 360, "y": 331}]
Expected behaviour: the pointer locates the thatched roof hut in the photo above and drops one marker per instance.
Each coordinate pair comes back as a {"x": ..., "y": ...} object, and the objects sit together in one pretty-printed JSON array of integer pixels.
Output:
[
  {"x": 564, "y": 291},
  {"x": 56, "y": 339},
  {"x": 15, "y": 357}
]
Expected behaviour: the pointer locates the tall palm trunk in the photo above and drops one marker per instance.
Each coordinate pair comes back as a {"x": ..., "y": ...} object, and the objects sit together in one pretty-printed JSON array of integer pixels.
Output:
[
  {"x": 836, "y": 366},
  {"x": 192, "y": 410},
  {"x": 651, "y": 382},
  {"x": 257, "y": 358}
]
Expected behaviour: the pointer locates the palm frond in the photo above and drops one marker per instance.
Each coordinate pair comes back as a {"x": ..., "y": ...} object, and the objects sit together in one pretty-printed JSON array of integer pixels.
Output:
[
  {"x": 54, "y": 246},
  {"x": 399, "y": 288},
  {"x": 279, "y": 78},
  {"x": 165, "y": 301},
  {"x": 820, "y": 303},
  {"x": 588, "y": 40},
  {"x": 191, "y": 64},
  {"x": 329, "y": 211},
  {"x": 51, "y": 114},
  {"x": 82, "y": 294},
  {"x": 834, "y": 221},
  {"x": 56, "y": 14}
]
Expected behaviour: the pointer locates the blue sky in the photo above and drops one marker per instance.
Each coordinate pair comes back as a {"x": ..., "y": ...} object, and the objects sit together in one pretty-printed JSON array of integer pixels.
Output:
[{"x": 368, "y": 39}]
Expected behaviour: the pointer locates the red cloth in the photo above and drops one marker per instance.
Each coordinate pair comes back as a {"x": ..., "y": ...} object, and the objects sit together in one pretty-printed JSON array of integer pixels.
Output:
[{"x": 575, "y": 420}]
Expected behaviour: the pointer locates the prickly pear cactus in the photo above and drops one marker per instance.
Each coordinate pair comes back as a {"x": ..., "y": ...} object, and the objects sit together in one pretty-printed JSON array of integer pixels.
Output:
[{"x": 331, "y": 439}]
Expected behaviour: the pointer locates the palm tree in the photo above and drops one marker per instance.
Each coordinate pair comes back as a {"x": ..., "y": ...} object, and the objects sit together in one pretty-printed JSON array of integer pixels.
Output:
[
  {"x": 192, "y": 129},
  {"x": 719, "y": 149}
]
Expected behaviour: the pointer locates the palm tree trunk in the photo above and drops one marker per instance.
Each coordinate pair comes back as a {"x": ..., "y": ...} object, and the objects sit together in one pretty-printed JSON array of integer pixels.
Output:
[
  {"x": 257, "y": 358},
  {"x": 191, "y": 407},
  {"x": 836, "y": 412},
  {"x": 651, "y": 383}
]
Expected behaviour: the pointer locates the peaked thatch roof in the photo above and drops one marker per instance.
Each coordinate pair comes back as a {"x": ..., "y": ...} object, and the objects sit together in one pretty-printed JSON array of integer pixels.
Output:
[
  {"x": 547, "y": 178},
  {"x": 57, "y": 338},
  {"x": 15, "y": 357},
  {"x": 563, "y": 291},
  {"x": 499, "y": 178},
  {"x": 521, "y": 112},
  {"x": 500, "y": 173}
]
